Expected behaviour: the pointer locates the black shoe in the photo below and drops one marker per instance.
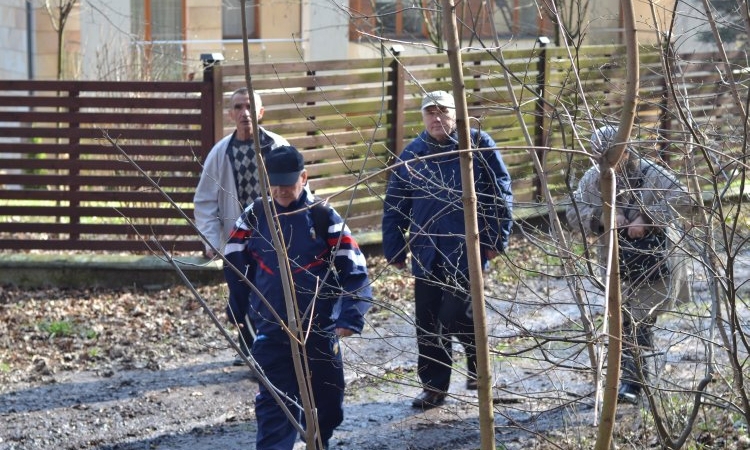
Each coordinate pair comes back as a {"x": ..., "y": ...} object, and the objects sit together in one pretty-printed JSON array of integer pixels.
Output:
[
  {"x": 428, "y": 399},
  {"x": 238, "y": 361},
  {"x": 472, "y": 384},
  {"x": 629, "y": 393}
]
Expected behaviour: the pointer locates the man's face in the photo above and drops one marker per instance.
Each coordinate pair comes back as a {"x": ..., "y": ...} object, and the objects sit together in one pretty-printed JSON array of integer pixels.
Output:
[
  {"x": 439, "y": 121},
  {"x": 239, "y": 111},
  {"x": 285, "y": 195},
  {"x": 621, "y": 168}
]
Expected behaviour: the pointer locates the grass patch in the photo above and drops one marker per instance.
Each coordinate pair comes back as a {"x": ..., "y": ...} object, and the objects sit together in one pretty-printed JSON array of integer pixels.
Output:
[
  {"x": 60, "y": 328},
  {"x": 65, "y": 328}
]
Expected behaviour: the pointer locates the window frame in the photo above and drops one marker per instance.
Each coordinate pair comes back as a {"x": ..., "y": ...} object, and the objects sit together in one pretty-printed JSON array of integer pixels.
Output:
[
  {"x": 364, "y": 19},
  {"x": 143, "y": 28},
  {"x": 252, "y": 9}
]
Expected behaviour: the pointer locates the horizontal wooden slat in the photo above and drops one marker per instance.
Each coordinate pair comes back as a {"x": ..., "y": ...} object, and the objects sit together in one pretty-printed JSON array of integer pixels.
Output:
[
  {"x": 119, "y": 212},
  {"x": 88, "y": 245},
  {"x": 100, "y": 165},
  {"x": 127, "y": 87},
  {"x": 103, "y": 101},
  {"x": 174, "y": 149},
  {"x": 335, "y": 139},
  {"x": 117, "y": 134},
  {"x": 98, "y": 195},
  {"x": 273, "y": 69},
  {"x": 168, "y": 118},
  {"x": 99, "y": 229},
  {"x": 331, "y": 183},
  {"x": 130, "y": 181}
]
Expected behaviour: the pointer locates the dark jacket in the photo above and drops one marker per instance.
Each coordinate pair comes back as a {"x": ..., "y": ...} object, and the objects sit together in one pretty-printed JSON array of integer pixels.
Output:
[
  {"x": 424, "y": 198},
  {"x": 341, "y": 296}
]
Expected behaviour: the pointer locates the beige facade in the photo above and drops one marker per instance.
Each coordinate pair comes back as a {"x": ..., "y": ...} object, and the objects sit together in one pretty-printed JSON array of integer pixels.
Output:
[
  {"x": 46, "y": 37},
  {"x": 280, "y": 38},
  {"x": 100, "y": 41},
  {"x": 203, "y": 29}
]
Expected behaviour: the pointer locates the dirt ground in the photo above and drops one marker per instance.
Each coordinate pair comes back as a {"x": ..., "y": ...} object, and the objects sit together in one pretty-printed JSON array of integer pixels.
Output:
[{"x": 127, "y": 370}]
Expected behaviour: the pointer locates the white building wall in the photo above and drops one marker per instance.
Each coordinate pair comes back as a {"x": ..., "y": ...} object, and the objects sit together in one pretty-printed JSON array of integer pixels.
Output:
[
  {"x": 13, "y": 40},
  {"x": 325, "y": 30},
  {"x": 691, "y": 20},
  {"x": 105, "y": 40},
  {"x": 14, "y": 57}
]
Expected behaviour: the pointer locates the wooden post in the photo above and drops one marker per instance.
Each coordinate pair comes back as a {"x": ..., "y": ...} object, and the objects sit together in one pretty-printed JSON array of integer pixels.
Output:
[
  {"x": 396, "y": 109},
  {"x": 212, "y": 96},
  {"x": 541, "y": 131},
  {"x": 665, "y": 116},
  {"x": 73, "y": 173}
]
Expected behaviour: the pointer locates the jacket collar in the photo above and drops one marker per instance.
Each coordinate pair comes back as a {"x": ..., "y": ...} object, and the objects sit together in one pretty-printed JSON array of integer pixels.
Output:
[
  {"x": 264, "y": 139},
  {"x": 296, "y": 205},
  {"x": 433, "y": 146}
]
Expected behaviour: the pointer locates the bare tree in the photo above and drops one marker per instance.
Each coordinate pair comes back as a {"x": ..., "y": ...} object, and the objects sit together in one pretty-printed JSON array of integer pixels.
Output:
[
  {"x": 715, "y": 237},
  {"x": 58, "y": 15}
]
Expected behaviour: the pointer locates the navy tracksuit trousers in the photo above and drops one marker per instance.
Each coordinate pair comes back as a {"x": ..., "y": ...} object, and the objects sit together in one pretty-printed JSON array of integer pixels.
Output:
[{"x": 275, "y": 431}]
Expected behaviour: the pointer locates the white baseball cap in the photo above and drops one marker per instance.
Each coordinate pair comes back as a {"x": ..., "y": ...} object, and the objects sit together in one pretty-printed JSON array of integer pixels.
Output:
[
  {"x": 603, "y": 138},
  {"x": 438, "y": 98}
]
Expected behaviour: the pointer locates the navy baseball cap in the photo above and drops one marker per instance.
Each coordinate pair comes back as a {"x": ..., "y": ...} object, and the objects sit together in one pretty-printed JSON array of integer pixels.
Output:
[{"x": 284, "y": 165}]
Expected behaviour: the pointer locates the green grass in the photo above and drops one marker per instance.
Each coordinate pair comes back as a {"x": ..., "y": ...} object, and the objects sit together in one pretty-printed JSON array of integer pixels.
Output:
[
  {"x": 90, "y": 334},
  {"x": 65, "y": 328},
  {"x": 57, "y": 329}
]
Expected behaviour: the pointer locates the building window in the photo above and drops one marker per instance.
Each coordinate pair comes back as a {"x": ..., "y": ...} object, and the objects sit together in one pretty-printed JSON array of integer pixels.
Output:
[
  {"x": 160, "y": 27},
  {"x": 231, "y": 19},
  {"x": 518, "y": 18},
  {"x": 404, "y": 19},
  {"x": 389, "y": 18},
  {"x": 399, "y": 18}
]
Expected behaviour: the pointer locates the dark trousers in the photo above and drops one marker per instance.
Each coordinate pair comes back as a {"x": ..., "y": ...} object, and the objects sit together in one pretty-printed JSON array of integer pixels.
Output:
[
  {"x": 275, "y": 431},
  {"x": 442, "y": 310},
  {"x": 637, "y": 340},
  {"x": 237, "y": 314}
]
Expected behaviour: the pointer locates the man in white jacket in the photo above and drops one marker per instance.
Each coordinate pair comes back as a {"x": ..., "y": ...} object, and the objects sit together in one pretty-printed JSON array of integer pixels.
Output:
[{"x": 228, "y": 184}]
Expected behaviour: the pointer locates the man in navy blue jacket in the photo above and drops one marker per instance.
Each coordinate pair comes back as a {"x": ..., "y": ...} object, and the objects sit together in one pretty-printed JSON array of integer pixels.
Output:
[
  {"x": 332, "y": 293},
  {"x": 423, "y": 198}
]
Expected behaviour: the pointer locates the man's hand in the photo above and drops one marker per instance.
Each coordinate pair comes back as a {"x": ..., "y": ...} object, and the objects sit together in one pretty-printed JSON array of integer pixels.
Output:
[
  {"x": 492, "y": 254},
  {"x": 344, "y": 332},
  {"x": 620, "y": 220},
  {"x": 398, "y": 265},
  {"x": 209, "y": 253},
  {"x": 636, "y": 228}
]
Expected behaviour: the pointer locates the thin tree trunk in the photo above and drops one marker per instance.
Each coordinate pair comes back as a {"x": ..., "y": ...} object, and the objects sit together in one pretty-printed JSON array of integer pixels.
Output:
[
  {"x": 296, "y": 333},
  {"x": 609, "y": 160},
  {"x": 476, "y": 281}
]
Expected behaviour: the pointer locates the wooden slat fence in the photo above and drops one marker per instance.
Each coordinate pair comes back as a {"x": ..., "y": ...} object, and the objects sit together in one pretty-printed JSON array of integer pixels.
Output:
[{"x": 65, "y": 188}]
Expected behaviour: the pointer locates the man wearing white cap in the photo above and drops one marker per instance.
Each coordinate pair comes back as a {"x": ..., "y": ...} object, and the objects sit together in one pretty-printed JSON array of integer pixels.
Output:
[
  {"x": 424, "y": 198},
  {"x": 649, "y": 204}
]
